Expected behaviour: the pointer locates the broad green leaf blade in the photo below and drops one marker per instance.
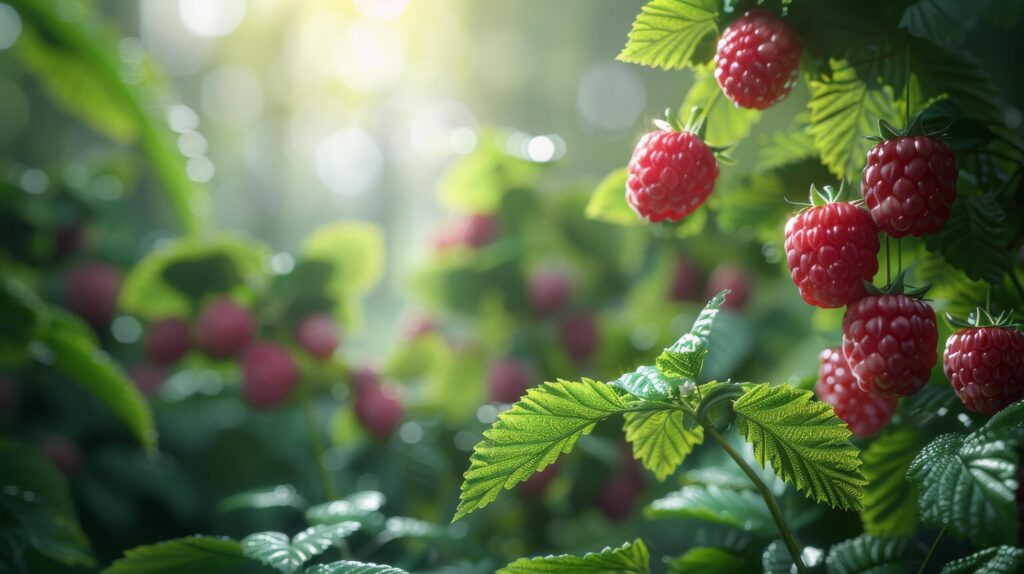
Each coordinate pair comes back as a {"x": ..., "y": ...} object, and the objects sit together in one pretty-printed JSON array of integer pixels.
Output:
[
  {"x": 608, "y": 202},
  {"x": 27, "y": 521},
  {"x": 740, "y": 509},
  {"x": 1008, "y": 424},
  {"x": 630, "y": 558},
  {"x": 350, "y": 567},
  {"x": 726, "y": 123},
  {"x": 968, "y": 484},
  {"x": 996, "y": 560},
  {"x": 274, "y": 548},
  {"x": 532, "y": 434},
  {"x": 358, "y": 507},
  {"x": 405, "y": 527},
  {"x": 479, "y": 181},
  {"x": 192, "y": 554},
  {"x": 281, "y": 495},
  {"x": 889, "y": 499},
  {"x": 972, "y": 239},
  {"x": 804, "y": 442},
  {"x": 776, "y": 559},
  {"x": 660, "y": 440},
  {"x": 667, "y": 33},
  {"x": 875, "y": 555},
  {"x": 644, "y": 383},
  {"x": 26, "y": 468},
  {"x": 355, "y": 253},
  {"x": 710, "y": 560},
  {"x": 786, "y": 148},
  {"x": 686, "y": 356},
  {"x": 844, "y": 110},
  {"x": 941, "y": 21}
]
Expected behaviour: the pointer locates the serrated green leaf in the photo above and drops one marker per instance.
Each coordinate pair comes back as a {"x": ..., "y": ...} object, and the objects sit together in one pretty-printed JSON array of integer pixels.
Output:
[
  {"x": 660, "y": 440},
  {"x": 972, "y": 238},
  {"x": 710, "y": 560},
  {"x": 957, "y": 74},
  {"x": 873, "y": 555},
  {"x": 667, "y": 33},
  {"x": 630, "y": 558},
  {"x": 686, "y": 356},
  {"x": 726, "y": 123},
  {"x": 278, "y": 496},
  {"x": 608, "y": 202},
  {"x": 785, "y": 148},
  {"x": 532, "y": 434},
  {"x": 350, "y": 567},
  {"x": 358, "y": 507},
  {"x": 941, "y": 21},
  {"x": 844, "y": 110},
  {"x": 803, "y": 440},
  {"x": 1008, "y": 424},
  {"x": 740, "y": 509},
  {"x": 192, "y": 554},
  {"x": 275, "y": 549},
  {"x": 889, "y": 499},
  {"x": 997, "y": 560},
  {"x": 355, "y": 253},
  {"x": 644, "y": 383},
  {"x": 27, "y": 521}
]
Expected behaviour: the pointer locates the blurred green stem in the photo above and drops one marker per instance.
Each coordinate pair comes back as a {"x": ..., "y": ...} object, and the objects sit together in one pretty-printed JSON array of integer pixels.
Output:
[
  {"x": 316, "y": 445},
  {"x": 931, "y": 551}
]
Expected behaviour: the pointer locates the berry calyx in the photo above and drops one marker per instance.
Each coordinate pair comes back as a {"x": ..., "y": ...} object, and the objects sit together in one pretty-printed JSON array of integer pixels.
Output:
[
  {"x": 268, "y": 374},
  {"x": 224, "y": 329},
  {"x": 757, "y": 60},
  {"x": 549, "y": 291},
  {"x": 318, "y": 335},
  {"x": 508, "y": 380},
  {"x": 580, "y": 337},
  {"x": 92, "y": 290},
  {"x": 863, "y": 412},
  {"x": 378, "y": 409},
  {"x": 732, "y": 278},
  {"x": 984, "y": 361},
  {"x": 167, "y": 341}
]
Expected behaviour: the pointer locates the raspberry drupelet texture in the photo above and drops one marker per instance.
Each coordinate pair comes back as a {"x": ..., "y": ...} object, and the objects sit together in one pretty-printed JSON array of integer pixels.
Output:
[
  {"x": 863, "y": 412},
  {"x": 909, "y": 185},
  {"x": 757, "y": 60},
  {"x": 831, "y": 250},
  {"x": 671, "y": 174},
  {"x": 889, "y": 341},
  {"x": 985, "y": 365}
]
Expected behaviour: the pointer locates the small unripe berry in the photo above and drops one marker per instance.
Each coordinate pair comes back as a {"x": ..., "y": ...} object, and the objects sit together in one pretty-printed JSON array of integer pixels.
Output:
[
  {"x": 166, "y": 341},
  {"x": 224, "y": 329},
  {"x": 378, "y": 409},
  {"x": 63, "y": 453},
  {"x": 580, "y": 337},
  {"x": 268, "y": 374},
  {"x": 730, "y": 277},
  {"x": 549, "y": 291},
  {"x": 147, "y": 377},
  {"x": 318, "y": 335},
  {"x": 508, "y": 380},
  {"x": 91, "y": 292},
  {"x": 685, "y": 284}
]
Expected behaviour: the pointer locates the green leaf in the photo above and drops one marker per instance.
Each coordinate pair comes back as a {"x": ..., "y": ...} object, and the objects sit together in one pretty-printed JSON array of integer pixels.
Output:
[
  {"x": 972, "y": 239},
  {"x": 726, "y": 124},
  {"x": 786, "y": 148},
  {"x": 844, "y": 110},
  {"x": 709, "y": 560},
  {"x": 28, "y": 469},
  {"x": 274, "y": 548},
  {"x": 873, "y": 555},
  {"x": 532, "y": 434},
  {"x": 27, "y": 521},
  {"x": 776, "y": 559},
  {"x": 889, "y": 499},
  {"x": 355, "y": 252},
  {"x": 350, "y": 567},
  {"x": 685, "y": 357},
  {"x": 644, "y": 383},
  {"x": 281, "y": 495},
  {"x": 608, "y": 202},
  {"x": 358, "y": 507},
  {"x": 941, "y": 21},
  {"x": 630, "y": 558},
  {"x": 660, "y": 440},
  {"x": 192, "y": 554},
  {"x": 996, "y": 560},
  {"x": 756, "y": 203},
  {"x": 740, "y": 509},
  {"x": 405, "y": 527},
  {"x": 667, "y": 33},
  {"x": 479, "y": 181},
  {"x": 804, "y": 442}
]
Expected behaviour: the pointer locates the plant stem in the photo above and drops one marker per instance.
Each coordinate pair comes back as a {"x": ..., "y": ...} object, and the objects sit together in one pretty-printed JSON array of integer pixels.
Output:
[
  {"x": 899, "y": 255},
  {"x": 888, "y": 273},
  {"x": 931, "y": 551},
  {"x": 315, "y": 443}
]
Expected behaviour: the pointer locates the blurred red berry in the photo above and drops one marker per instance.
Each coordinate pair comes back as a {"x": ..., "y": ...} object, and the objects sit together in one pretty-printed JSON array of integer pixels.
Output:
[
  {"x": 148, "y": 377},
  {"x": 617, "y": 496},
  {"x": 508, "y": 380},
  {"x": 318, "y": 335},
  {"x": 224, "y": 329},
  {"x": 732, "y": 277},
  {"x": 479, "y": 229},
  {"x": 685, "y": 281},
  {"x": 580, "y": 337},
  {"x": 865, "y": 413},
  {"x": 167, "y": 341},
  {"x": 91, "y": 292},
  {"x": 757, "y": 60},
  {"x": 378, "y": 409},
  {"x": 364, "y": 377},
  {"x": 538, "y": 482},
  {"x": 268, "y": 374},
  {"x": 63, "y": 453},
  {"x": 985, "y": 365},
  {"x": 549, "y": 291},
  {"x": 671, "y": 174},
  {"x": 418, "y": 326}
]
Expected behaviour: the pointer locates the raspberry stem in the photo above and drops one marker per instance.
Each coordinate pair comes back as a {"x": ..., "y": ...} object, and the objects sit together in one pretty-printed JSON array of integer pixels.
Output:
[{"x": 931, "y": 551}]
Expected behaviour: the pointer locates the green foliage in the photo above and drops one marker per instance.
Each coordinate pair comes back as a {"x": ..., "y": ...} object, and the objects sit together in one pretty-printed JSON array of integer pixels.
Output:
[
  {"x": 350, "y": 567},
  {"x": 646, "y": 382},
  {"x": 27, "y": 469},
  {"x": 995, "y": 560},
  {"x": 358, "y": 507},
  {"x": 275, "y": 549},
  {"x": 785, "y": 148},
  {"x": 279, "y": 496},
  {"x": 532, "y": 434},
  {"x": 726, "y": 124},
  {"x": 355, "y": 253},
  {"x": 26, "y": 521},
  {"x": 972, "y": 239},
  {"x": 740, "y": 509},
  {"x": 804, "y": 442},
  {"x": 843, "y": 110},
  {"x": 889, "y": 500},
  {"x": 754, "y": 204},
  {"x": 608, "y": 202},
  {"x": 709, "y": 560},
  {"x": 668, "y": 33},
  {"x": 875, "y": 555},
  {"x": 940, "y": 20},
  {"x": 686, "y": 356},
  {"x": 776, "y": 559},
  {"x": 192, "y": 554},
  {"x": 477, "y": 183},
  {"x": 630, "y": 558},
  {"x": 660, "y": 439}
]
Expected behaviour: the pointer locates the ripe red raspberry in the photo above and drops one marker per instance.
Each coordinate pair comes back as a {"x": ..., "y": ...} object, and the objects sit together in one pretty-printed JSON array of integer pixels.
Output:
[
  {"x": 549, "y": 291},
  {"x": 986, "y": 367},
  {"x": 889, "y": 341},
  {"x": 92, "y": 290},
  {"x": 909, "y": 184},
  {"x": 224, "y": 329},
  {"x": 318, "y": 335},
  {"x": 508, "y": 380},
  {"x": 831, "y": 250},
  {"x": 166, "y": 341},
  {"x": 685, "y": 284},
  {"x": 580, "y": 337},
  {"x": 670, "y": 175},
  {"x": 733, "y": 278},
  {"x": 863, "y": 412},
  {"x": 268, "y": 374},
  {"x": 757, "y": 60},
  {"x": 378, "y": 409},
  {"x": 538, "y": 482},
  {"x": 147, "y": 377}
]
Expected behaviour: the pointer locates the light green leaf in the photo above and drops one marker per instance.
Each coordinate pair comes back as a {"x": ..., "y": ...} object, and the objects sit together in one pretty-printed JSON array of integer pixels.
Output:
[
  {"x": 355, "y": 253},
  {"x": 357, "y": 507},
  {"x": 644, "y": 383},
  {"x": 740, "y": 509},
  {"x": 477, "y": 183},
  {"x": 996, "y": 560},
  {"x": 844, "y": 110},
  {"x": 660, "y": 440},
  {"x": 873, "y": 555},
  {"x": 972, "y": 239},
  {"x": 630, "y": 558},
  {"x": 281, "y": 495},
  {"x": 192, "y": 554},
  {"x": 608, "y": 202},
  {"x": 889, "y": 499},
  {"x": 786, "y": 148},
  {"x": 274, "y": 548},
  {"x": 532, "y": 434},
  {"x": 726, "y": 124},
  {"x": 350, "y": 567},
  {"x": 667, "y": 33},
  {"x": 710, "y": 560},
  {"x": 685, "y": 357},
  {"x": 804, "y": 442},
  {"x": 27, "y": 521}
]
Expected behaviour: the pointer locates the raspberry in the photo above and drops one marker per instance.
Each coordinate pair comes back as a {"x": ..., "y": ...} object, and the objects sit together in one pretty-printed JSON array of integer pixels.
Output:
[
  {"x": 364, "y": 377},
  {"x": 378, "y": 409},
  {"x": 474, "y": 231},
  {"x": 757, "y": 60},
  {"x": 224, "y": 329},
  {"x": 986, "y": 367},
  {"x": 889, "y": 341},
  {"x": 831, "y": 250},
  {"x": 549, "y": 291},
  {"x": 92, "y": 291},
  {"x": 617, "y": 495},
  {"x": 63, "y": 453},
  {"x": 863, "y": 412},
  {"x": 670, "y": 175},
  {"x": 268, "y": 374},
  {"x": 731, "y": 277},
  {"x": 909, "y": 184},
  {"x": 419, "y": 326},
  {"x": 538, "y": 482},
  {"x": 508, "y": 379},
  {"x": 580, "y": 337},
  {"x": 147, "y": 377},
  {"x": 167, "y": 341},
  {"x": 685, "y": 281},
  {"x": 318, "y": 335}
]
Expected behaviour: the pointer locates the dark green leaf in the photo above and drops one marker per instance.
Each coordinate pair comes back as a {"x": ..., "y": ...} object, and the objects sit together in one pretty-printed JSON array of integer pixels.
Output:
[
  {"x": 710, "y": 560},
  {"x": 274, "y": 497},
  {"x": 630, "y": 558},
  {"x": 873, "y": 555},
  {"x": 786, "y": 148},
  {"x": 740, "y": 509},
  {"x": 192, "y": 554},
  {"x": 359, "y": 507},
  {"x": 27, "y": 521},
  {"x": 889, "y": 499},
  {"x": 972, "y": 238},
  {"x": 349, "y": 567},
  {"x": 275, "y": 549},
  {"x": 996, "y": 560},
  {"x": 27, "y": 469},
  {"x": 667, "y": 33}
]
